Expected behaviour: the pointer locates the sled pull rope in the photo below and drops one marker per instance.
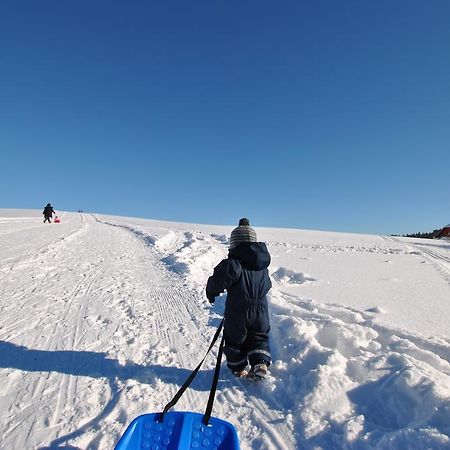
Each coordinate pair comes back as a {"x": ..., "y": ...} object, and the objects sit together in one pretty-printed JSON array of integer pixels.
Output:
[
  {"x": 212, "y": 391},
  {"x": 193, "y": 374}
]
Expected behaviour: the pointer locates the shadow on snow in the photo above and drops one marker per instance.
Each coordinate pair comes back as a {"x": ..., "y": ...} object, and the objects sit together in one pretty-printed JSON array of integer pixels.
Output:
[{"x": 95, "y": 365}]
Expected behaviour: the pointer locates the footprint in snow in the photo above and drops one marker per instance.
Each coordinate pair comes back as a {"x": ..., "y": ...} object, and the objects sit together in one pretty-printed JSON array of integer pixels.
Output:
[{"x": 376, "y": 310}]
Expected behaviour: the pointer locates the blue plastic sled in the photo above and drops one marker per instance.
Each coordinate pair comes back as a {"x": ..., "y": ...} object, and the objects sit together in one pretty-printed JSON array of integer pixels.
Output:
[{"x": 178, "y": 431}]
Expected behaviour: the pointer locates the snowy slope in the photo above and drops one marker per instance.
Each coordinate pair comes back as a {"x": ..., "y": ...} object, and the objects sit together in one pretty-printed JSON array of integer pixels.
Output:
[{"x": 102, "y": 319}]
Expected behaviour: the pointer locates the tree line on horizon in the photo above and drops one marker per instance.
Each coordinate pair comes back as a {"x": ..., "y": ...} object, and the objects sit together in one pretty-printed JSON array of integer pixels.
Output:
[{"x": 430, "y": 235}]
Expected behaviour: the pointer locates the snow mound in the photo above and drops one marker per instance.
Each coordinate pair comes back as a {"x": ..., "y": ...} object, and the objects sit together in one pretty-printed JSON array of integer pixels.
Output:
[
  {"x": 192, "y": 255},
  {"x": 287, "y": 276}
]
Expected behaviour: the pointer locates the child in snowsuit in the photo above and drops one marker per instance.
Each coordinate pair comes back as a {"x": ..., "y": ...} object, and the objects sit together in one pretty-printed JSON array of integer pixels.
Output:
[
  {"x": 245, "y": 277},
  {"x": 48, "y": 213}
]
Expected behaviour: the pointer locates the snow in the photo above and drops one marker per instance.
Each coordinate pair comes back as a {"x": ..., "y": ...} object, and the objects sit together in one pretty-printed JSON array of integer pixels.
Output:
[{"x": 103, "y": 318}]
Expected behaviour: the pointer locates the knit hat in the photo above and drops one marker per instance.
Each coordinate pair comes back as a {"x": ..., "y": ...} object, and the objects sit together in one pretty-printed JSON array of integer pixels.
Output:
[{"x": 243, "y": 233}]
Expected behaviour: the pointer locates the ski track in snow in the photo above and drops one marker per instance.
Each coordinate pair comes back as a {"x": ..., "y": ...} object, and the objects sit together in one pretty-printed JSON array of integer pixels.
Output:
[
  {"x": 105, "y": 319},
  {"x": 442, "y": 262}
]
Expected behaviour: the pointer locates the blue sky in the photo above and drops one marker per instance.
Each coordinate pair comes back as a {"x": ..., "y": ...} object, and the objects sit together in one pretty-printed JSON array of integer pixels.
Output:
[{"x": 329, "y": 115}]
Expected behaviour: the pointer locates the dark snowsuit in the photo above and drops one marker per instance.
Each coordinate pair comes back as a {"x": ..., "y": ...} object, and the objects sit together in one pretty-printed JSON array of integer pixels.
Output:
[
  {"x": 245, "y": 276},
  {"x": 48, "y": 213}
]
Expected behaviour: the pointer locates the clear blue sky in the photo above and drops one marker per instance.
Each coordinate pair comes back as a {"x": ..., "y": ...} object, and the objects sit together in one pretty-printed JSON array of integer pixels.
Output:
[{"x": 330, "y": 115}]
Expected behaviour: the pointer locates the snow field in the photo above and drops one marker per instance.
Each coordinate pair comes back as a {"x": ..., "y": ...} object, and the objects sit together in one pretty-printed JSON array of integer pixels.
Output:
[{"x": 104, "y": 317}]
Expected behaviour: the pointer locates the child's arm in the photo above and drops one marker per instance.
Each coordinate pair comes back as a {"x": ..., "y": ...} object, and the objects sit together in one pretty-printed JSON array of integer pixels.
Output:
[{"x": 226, "y": 273}]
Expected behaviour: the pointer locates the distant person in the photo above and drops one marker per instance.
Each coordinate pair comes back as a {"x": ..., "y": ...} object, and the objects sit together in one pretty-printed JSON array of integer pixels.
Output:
[
  {"x": 48, "y": 213},
  {"x": 245, "y": 277}
]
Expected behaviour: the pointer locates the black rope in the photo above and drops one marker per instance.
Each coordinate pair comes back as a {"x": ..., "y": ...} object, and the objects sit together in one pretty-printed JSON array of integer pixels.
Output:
[
  {"x": 212, "y": 392},
  {"x": 193, "y": 374}
]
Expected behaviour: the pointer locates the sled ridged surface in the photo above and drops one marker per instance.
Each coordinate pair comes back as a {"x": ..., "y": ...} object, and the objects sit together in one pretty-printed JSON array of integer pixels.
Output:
[{"x": 178, "y": 431}]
